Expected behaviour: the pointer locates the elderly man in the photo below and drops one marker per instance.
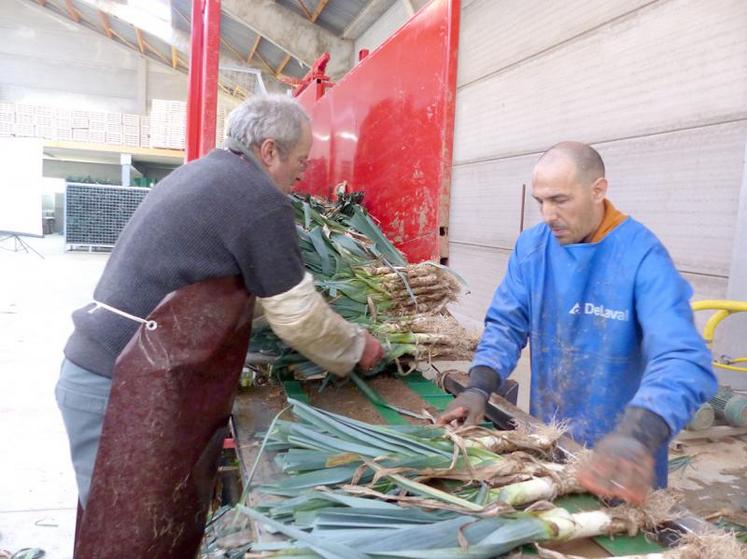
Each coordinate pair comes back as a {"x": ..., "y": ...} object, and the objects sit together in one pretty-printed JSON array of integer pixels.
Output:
[
  {"x": 223, "y": 215},
  {"x": 613, "y": 347}
]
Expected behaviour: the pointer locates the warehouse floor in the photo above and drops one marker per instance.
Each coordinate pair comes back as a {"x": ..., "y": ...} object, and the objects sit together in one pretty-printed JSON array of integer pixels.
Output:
[{"x": 37, "y": 486}]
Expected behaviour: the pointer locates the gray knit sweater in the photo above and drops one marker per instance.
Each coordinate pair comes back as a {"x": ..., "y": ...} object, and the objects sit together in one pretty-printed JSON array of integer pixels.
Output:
[{"x": 217, "y": 216}]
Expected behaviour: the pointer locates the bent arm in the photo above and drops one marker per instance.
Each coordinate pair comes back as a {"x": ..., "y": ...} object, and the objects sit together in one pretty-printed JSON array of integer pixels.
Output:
[
  {"x": 506, "y": 325},
  {"x": 678, "y": 377},
  {"x": 303, "y": 320}
]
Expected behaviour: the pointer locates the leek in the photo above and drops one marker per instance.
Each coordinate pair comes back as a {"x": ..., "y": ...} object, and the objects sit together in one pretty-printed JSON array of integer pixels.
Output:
[{"x": 369, "y": 282}]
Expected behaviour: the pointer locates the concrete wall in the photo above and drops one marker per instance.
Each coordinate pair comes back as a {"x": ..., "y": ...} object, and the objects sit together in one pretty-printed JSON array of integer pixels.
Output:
[
  {"x": 658, "y": 87},
  {"x": 735, "y": 335},
  {"x": 48, "y": 61}
]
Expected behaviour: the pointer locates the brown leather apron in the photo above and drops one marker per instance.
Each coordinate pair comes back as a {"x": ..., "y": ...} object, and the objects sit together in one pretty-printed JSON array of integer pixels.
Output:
[{"x": 172, "y": 392}]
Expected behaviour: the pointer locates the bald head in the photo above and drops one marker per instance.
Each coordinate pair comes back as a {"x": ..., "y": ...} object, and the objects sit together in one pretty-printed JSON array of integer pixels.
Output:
[
  {"x": 585, "y": 159},
  {"x": 569, "y": 185}
]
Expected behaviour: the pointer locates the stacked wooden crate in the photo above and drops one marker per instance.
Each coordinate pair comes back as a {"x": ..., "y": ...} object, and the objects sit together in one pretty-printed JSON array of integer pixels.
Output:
[
  {"x": 145, "y": 131},
  {"x": 79, "y": 122},
  {"x": 167, "y": 124},
  {"x": 45, "y": 122},
  {"x": 64, "y": 124},
  {"x": 7, "y": 118},
  {"x": 131, "y": 129},
  {"x": 24, "y": 125}
]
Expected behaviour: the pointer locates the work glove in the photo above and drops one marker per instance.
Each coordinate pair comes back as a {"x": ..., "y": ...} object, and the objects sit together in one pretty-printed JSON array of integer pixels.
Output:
[
  {"x": 373, "y": 352},
  {"x": 622, "y": 463},
  {"x": 469, "y": 407}
]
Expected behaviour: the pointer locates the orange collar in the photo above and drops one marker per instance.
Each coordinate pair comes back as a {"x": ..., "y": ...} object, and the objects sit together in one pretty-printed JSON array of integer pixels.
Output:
[{"x": 612, "y": 218}]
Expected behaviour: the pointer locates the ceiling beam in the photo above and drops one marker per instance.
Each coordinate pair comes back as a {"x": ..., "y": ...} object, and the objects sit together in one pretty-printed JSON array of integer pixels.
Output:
[
  {"x": 264, "y": 61},
  {"x": 124, "y": 41},
  {"x": 283, "y": 64},
  {"x": 253, "y": 50},
  {"x": 171, "y": 36},
  {"x": 233, "y": 50},
  {"x": 71, "y": 11},
  {"x": 105, "y": 24},
  {"x": 292, "y": 32},
  {"x": 140, "y": 42},
  {"x": 117, "y": 39},
  {"x": 160, "y": 55},
  {"x": 236, "y": 57},
  {"x": 367, "y": 16},
  {"x": 304, "y": 9},
  {"x": 319, "y": 8}
]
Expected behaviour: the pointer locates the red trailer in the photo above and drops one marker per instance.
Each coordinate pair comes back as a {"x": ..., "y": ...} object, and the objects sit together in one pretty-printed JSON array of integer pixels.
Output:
[{"x": 387, "y": 129}]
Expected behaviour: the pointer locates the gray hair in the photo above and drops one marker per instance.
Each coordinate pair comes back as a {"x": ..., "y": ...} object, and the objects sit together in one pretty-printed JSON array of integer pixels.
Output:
[{"x": 268, "y": 117}]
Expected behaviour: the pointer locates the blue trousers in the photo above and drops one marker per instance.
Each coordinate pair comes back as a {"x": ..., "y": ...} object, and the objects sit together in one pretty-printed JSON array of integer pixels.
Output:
[{"x": 82, "y": 397}]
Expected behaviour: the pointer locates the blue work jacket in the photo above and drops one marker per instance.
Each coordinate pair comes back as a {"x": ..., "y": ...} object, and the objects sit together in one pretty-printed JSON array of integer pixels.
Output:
[{"x": 609, "y": 325}]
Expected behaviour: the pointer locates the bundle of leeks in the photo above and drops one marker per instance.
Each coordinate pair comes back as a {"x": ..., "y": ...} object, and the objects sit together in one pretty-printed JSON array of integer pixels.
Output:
[
  {"x": 326, "y": 449},
  {"x": 363, "y": 528},
  {"x": 369, "y": 282},
  {"x": 370, "y": 491}
]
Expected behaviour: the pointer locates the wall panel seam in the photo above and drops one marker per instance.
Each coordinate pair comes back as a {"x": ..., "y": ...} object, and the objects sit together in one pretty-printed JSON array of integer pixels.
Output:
[
  {"x": 556, "y": 46},
  {"x": 740, "y": 117}
]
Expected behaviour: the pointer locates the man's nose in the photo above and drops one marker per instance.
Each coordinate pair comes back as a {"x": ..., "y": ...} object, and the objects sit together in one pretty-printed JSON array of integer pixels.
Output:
[{"x": 549, "y": 213}]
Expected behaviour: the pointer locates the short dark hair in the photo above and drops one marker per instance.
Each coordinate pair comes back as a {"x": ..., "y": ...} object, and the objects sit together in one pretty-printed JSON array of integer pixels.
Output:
[{"x": 588, "y": 162}]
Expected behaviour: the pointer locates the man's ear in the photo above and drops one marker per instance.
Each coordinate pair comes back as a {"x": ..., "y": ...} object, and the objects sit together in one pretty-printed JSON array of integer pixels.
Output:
[
  {"x": 599, "y": 189},
  {"x": 267, "y": 151}
]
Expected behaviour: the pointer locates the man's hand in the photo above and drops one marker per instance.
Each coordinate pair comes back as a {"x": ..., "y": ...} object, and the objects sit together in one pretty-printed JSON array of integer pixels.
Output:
[
  {"x": 466, "y": 409},
  {"x": 373, "y": 353},
  {"x": 620, "y": 466}
]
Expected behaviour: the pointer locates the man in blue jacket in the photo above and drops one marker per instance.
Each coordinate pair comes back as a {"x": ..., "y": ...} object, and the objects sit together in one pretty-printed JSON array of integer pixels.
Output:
[{"x": 614, "y": 350}]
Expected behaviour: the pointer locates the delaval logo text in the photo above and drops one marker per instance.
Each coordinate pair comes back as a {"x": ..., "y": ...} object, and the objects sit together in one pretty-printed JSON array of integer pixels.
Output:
[{"x": 594, "y": 310}]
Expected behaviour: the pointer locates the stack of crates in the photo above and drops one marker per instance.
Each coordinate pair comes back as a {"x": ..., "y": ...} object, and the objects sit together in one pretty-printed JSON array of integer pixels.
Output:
[
  {"x": 97, "y": 127},
  {"x": 45, "y": 125},
  {"x": 64, "y": 124},
  {"x": 145, "y": 131},
  {"x": 24, "y": 126},
  {"x": 131, "y": 129},
  {"x": 79, "y": 121},
  {"x": 7, "y": 119},
  {"x": 114, "y": 129},
  {"x": 167, "y": 124}
]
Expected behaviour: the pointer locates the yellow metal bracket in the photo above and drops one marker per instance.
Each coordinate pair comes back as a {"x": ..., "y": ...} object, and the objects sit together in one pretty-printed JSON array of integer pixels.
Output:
[{"x": 723, "y": 309}]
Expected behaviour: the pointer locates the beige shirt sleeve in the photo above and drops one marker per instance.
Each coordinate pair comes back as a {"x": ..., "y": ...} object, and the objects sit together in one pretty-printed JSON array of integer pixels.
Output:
[{"x": 303, "y": 320}]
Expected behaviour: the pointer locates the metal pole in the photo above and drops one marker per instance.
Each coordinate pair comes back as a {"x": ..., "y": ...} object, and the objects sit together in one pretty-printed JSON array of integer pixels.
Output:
[
  {"x": 209, "y": 97},
  {"x": 194, "y": 92}
]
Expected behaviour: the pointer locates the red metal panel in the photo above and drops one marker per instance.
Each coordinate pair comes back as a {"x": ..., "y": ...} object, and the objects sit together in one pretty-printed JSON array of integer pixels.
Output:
[
  {"x": 310, "y": 94},
  {"x": 203, "y": 78},
  {"x": 209, "y": 97},
  {"x": 194, "y": 93},
  {"x": 387, "y": 128}
]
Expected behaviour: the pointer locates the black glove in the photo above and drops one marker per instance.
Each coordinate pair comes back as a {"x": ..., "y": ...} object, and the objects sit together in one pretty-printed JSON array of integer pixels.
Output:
[
  {"x": 645, "y": 426},
  {"x": 484, "y": 379},
  {"x": 469, "y": 407},
  {"x": 622, "y": 464}
]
